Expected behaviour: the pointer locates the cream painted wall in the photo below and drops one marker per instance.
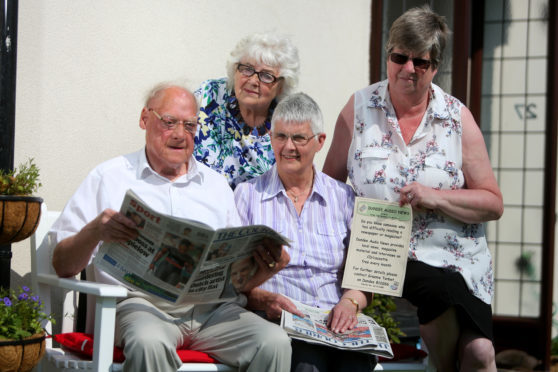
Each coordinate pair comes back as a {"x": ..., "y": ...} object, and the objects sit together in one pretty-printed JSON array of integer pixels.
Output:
[{"x": 84, "y": 68}]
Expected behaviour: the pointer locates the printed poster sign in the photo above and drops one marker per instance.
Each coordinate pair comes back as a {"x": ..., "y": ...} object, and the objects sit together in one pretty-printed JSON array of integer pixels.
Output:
[{"x": 377, "y": 255}]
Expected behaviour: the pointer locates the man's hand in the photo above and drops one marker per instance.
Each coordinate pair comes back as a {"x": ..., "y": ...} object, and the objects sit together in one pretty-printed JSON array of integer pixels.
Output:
[
  {"x": 275, "y": 303},
  {"x": 271, "y": 258},
  {"x": 271, "y": 303},
  {"x": 71, "y": 255},
  {"x": 112, "y": 226},
  {"x": 271, "y": 255}
]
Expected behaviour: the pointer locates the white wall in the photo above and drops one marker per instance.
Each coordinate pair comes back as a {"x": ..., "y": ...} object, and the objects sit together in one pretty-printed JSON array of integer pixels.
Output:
[{"x": 84, "y": 67}]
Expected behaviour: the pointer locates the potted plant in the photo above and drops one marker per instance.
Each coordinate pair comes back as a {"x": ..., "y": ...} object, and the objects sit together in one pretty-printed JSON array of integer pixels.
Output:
[
  {"x": 19, "y": 210},
  {"x": 381, "y": 309},
  {"x": 22, "y": 338}
]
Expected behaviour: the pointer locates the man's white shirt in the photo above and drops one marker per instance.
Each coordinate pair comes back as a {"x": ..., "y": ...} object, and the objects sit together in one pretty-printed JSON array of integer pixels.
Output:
[{"x": 202, "y": 195}]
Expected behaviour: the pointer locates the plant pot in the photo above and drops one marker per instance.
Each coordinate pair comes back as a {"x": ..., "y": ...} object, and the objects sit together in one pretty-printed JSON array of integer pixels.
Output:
[
  {"x": 21, "y": 355},
  {"x": 19, "y": 217}
]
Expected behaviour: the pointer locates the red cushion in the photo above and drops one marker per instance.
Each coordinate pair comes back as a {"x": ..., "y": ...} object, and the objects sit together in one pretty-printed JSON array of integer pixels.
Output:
[
  {"x": 193, "y": 356},
  {"x": 82, "y": 343}
]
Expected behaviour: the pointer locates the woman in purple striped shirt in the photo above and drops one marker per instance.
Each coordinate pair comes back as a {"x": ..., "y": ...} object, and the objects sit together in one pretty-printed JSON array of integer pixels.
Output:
[{"x": 314, "y": 211}]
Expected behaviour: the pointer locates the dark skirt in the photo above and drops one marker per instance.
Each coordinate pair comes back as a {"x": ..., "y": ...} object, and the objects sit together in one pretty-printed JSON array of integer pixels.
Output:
[{"x": 434, "y": 290}]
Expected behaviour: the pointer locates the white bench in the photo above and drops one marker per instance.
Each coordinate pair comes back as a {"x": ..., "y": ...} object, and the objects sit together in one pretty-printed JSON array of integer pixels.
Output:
[
  {"x": 44, "y": 280},
  {"x": 56, "y": 359}
]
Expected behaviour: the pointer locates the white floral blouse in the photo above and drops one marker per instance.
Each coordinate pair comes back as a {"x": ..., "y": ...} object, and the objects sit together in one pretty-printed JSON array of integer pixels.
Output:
[{"x": 380, "y": 163}]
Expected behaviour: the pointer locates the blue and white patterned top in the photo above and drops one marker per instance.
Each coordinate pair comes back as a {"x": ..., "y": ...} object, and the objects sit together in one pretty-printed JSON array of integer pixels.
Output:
[
  {"x": 319, "y": 234},
  {"x": 224, "y": 142},
  {"x": 380, "y": 163}
]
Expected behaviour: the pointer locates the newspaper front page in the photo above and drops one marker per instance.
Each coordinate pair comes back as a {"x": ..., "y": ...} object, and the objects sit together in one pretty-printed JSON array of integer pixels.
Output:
[
  {"x": 367, "y": 336},
  {"x": 181, "y": 260},
  {"x": 378, "y": 247}
]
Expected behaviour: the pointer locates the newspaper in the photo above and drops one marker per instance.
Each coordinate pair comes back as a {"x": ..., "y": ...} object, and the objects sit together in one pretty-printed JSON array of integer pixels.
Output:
[
  {"x": 181, "y": 260},
  {"x": 378, "y": 247},
  {"x": 367, "y": 336}
]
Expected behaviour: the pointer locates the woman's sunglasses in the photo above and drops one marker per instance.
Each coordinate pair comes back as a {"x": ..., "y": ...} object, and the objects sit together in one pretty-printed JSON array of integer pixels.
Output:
[{"x": 401, "y": 59}]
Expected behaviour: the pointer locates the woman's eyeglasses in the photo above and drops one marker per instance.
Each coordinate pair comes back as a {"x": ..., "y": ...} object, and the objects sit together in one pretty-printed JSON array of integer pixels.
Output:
[
  {"x": 401, "y": 59},
  {"x": 263, "y": 76},
  {"x": 298, "y": 139}
]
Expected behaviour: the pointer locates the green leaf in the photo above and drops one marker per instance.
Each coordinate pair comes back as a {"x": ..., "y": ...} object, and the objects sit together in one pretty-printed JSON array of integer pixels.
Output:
[
  {"x": 380, "y": 309},
  {"x": 22, "y": 181}
]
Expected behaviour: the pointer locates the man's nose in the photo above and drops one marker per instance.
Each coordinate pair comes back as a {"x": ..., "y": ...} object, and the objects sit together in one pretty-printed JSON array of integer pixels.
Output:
[{"x": 180, "y": 131}]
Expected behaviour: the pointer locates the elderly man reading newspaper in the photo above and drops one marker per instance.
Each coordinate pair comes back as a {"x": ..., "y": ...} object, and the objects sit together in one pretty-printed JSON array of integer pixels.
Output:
[{"x": 167, "y": 177}]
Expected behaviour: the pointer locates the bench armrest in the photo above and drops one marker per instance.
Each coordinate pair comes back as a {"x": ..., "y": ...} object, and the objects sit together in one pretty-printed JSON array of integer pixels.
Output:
[
  {"x": 92, "y": 288},
  {"x": 105, "y": 313}
]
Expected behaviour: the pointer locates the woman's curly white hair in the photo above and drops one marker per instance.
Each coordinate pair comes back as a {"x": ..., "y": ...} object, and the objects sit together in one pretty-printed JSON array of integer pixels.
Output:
[{"x": 269, "y": 48}]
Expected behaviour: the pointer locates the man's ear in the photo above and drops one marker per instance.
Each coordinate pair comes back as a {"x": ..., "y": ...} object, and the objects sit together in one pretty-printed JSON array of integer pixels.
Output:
[{"x": 143, "y": 118}]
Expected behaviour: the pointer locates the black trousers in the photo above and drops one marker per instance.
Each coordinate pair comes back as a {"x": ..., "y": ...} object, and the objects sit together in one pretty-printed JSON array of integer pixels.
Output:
[{"x": 309, "y": 357}]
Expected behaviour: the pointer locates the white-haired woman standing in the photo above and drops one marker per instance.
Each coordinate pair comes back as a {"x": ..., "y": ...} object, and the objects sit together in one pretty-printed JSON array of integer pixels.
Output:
[{"x": 235, "y": 112}]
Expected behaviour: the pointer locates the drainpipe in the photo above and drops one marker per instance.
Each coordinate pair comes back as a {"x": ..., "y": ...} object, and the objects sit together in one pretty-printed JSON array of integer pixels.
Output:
[{"x": 8, "y": 59}]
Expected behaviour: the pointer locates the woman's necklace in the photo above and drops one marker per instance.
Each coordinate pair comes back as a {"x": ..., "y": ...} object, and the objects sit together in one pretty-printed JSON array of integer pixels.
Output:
[
  {"x": 295, "y": 197},
  {"x": 304, "y": 190}
]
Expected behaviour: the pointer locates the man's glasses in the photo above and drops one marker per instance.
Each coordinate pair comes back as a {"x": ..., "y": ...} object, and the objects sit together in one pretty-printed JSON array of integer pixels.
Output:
[
  {"x": 171, "y": 123},
  {"x": 298, "y": 139},
  {"x": 263, "y": 76},
  {"x": 401, "y": 59}
]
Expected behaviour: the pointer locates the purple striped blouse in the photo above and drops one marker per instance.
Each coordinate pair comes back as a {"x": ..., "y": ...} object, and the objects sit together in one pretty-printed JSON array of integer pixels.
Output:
[{"x": 319, "y": 235}]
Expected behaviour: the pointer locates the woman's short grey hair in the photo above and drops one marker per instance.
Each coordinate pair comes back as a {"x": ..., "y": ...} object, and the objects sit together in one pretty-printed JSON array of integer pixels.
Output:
[
  {"x": 299, "y": 108},
  {"x": 420, "y": 31},
  {"x": 269, "y": 48}
]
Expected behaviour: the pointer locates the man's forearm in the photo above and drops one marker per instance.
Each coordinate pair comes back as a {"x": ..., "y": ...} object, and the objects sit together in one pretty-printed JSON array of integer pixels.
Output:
[
  {"x": 72, "y": 254},
  {"x": 257, "y": 299}
]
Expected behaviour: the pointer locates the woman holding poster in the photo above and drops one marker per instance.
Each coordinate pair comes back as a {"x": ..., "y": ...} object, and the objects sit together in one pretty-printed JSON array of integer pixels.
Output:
[
  {"x": 314, "y": 211},
  {"x": 406, "y": 140}
]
